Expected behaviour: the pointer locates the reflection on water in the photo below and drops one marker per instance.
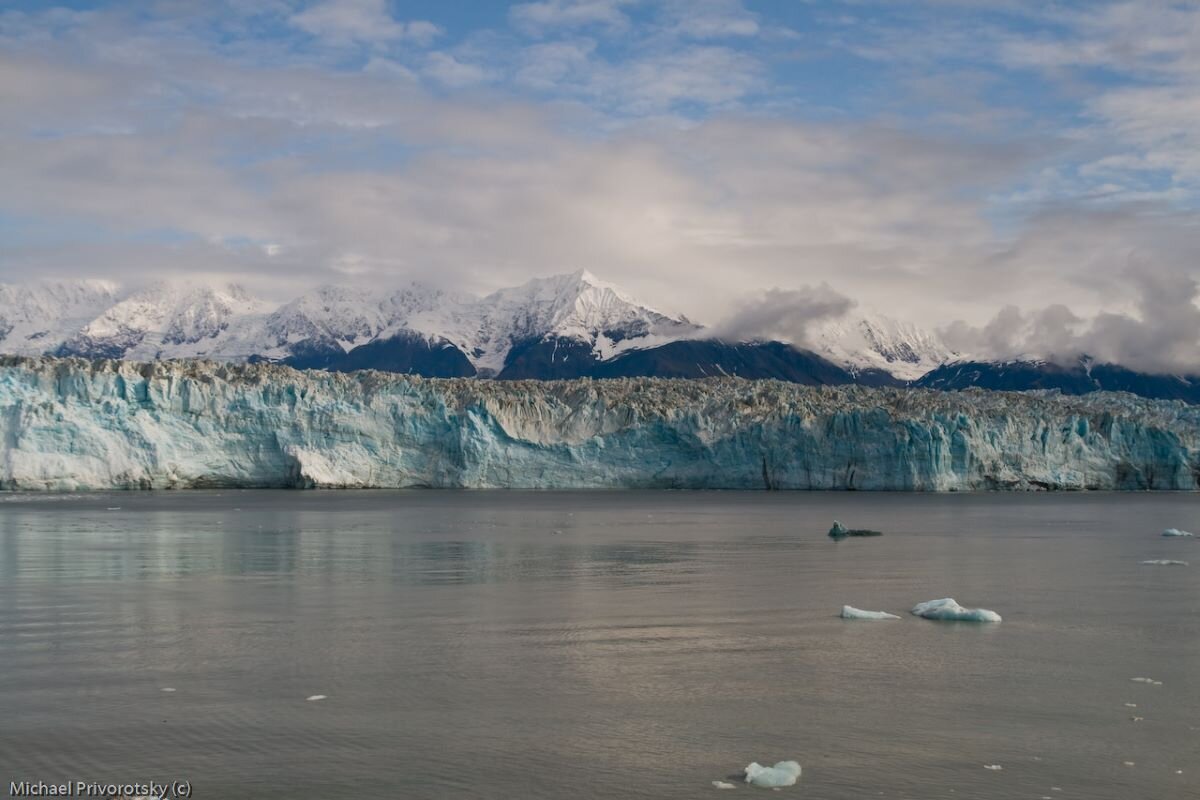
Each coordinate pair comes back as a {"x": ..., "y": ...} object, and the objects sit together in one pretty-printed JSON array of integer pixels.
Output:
[
  {"x": 596, "y": 644},
  {"x": 150, "y": 543}
]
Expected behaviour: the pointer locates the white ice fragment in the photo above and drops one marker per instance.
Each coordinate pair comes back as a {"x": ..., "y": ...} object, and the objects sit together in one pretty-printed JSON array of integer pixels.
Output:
[
  {"x": 784, "y": 773},
  {"x": 1131, "y": 705},
  {"x": 167, "y": 689},
  {"x": 1175, "y": 532},
  {"x": 993, "y": 767},
  {"x": 1150, "y": 681},
  {"x": 850, "y": 612},
  {"x": 1165, "y": 562},
  {"x": 1128, "y": 763},
  {"x": 315, "y": 697},
  {"x": 948, "y": 609},
  {"x": 724, "y": 785}
]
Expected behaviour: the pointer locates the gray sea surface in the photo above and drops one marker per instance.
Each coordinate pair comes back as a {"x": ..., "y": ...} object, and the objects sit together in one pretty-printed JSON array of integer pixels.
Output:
[{"x": 599, "y": 644}]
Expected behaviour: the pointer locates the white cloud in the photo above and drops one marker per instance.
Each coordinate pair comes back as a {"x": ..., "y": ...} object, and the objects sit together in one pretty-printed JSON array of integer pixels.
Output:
[
  {"x": 151, "y": 148},
  {"x": 350, "y": 21},
  {"x": 710, "y": 19},
  {"x": 449, "y": 71},
  {"x": 541, "y": 17}
]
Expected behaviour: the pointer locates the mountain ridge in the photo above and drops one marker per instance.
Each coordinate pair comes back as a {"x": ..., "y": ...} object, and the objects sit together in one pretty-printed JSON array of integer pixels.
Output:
[{"x": 564, "y": 326}]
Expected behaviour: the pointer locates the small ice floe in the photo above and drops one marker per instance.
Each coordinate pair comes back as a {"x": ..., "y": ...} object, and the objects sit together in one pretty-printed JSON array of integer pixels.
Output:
[
  {"x": 1136, "y": 719},
  {"x": 167, "y": 689},
  {"x": 1131, "y": 705},
  {"x": 948, "y": 608},
  {"x": 1175, "y": 533},
  {"x": 783, "y": 773},
  {"x": 315, "y": 697},
  {"x": 993, "y": 767},
  {"x": 850, "y": 612},
  {"x": 1164, "y": 562},
  {"x": 1150, "y": 681},
  {"x": 1128, "y": 763},
  {"x": 840, "y": 531},
  {"x": 724, "y": 785},
  {"x": 113, "y": 508}
]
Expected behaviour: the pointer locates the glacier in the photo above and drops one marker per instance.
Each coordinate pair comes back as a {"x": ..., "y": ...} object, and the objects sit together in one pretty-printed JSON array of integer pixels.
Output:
[{"x": 75, "y": 424}]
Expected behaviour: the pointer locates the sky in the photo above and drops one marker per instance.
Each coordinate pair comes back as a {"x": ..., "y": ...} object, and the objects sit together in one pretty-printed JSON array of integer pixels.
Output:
[{"x": 1011, "y": 173}]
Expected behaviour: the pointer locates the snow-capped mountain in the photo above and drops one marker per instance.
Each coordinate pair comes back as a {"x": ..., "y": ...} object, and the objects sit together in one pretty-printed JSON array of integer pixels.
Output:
[
  {"x": 562, "y": 326},
  {"x": 868, "y": 340},
  {"x": 37, "y": 317},
  {"x": 174, "y": 320},
  {"x": 572, "y": 311}
]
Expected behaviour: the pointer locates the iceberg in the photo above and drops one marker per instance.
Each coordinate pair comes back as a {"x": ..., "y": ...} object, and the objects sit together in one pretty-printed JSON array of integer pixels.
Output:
[
  {"x": 840, "y": 531},
  {"x": 948, "y": 609},
  {"x": 71, "y": 424},
  {"x": 315, "y": 697},
  {"x": 1175, "y": 532},
  {"x": 850, "y": 612},
  {"x": 1165, "y": 562},
  {"x": 784, "y": 773},
  {"x": 724, "y": 785}
]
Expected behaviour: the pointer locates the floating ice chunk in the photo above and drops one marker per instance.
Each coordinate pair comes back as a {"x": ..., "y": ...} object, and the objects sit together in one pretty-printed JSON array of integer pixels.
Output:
[
  {"x": 948, "y": 609},
  {"x": 850, "y": 612},
  {"x": 1175, "y": 532},
  {"x": 167, "y": 689},
  {"x": 315, "y": 697},
  {"x": 1165, "y": 562},
  {"x": 724, "y": 785},
  {"x": 840, "y": 531},
  {"x": 1128, "y": 763},
  {"x": 1131, "y": 705},
  {"x": 993, "y": 767},
  {"x": 783, "y": 773},
  {"x": 1150, "y": 681}
]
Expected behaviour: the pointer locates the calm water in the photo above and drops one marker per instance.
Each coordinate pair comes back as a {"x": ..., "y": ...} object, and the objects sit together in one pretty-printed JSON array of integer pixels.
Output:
[{"x": 595, "y": 645}]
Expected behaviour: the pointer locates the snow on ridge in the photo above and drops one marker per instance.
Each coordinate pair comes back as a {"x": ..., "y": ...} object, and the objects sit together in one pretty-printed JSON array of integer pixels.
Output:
[
  {"x": 182, "y": 319},
  {"x": 865, "y": 339}
]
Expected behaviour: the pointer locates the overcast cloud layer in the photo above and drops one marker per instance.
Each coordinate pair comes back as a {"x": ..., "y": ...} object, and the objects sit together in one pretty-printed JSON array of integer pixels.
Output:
[{"x": 1020, "y": 174}]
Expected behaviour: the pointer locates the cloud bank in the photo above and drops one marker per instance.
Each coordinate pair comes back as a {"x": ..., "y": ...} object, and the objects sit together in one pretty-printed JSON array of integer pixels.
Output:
[{"x": 1027, "y": 171}]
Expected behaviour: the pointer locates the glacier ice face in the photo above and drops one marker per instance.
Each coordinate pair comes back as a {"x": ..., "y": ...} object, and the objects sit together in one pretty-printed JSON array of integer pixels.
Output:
[
  {"x": 784, "y": 773},
  {"x": 72, "y": 424},
  {"x": 850, "y": 612},
  {"x": 948, "y": 609}
]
